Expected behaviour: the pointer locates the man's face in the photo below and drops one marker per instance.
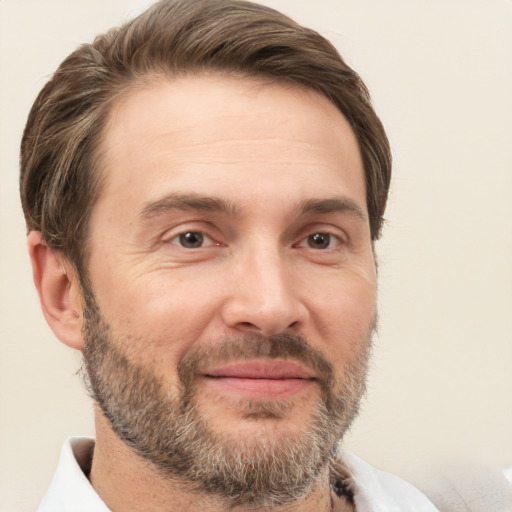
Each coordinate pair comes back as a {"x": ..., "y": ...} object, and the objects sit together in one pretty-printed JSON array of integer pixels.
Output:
[{"x": 233, "y": 277}]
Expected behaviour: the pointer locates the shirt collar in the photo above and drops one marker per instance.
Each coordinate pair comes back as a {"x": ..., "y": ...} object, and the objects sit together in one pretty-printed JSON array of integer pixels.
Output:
[
  {"x": 70, "y": 490},
  {"x": 378, "y": 491}
]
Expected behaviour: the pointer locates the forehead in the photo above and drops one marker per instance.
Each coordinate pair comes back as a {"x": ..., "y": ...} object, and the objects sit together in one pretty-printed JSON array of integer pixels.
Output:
[{"x": 214, "y": 133}]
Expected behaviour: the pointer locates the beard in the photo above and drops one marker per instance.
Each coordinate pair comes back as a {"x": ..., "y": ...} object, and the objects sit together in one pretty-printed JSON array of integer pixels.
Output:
[{"x": 169, "y": 431}]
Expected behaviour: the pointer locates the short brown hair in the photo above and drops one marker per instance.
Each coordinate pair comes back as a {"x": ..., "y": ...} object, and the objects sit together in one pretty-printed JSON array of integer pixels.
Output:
[{"x": 59, "y": 180}]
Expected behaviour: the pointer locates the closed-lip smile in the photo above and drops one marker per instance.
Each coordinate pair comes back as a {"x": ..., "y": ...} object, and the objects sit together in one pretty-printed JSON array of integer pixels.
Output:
[{"x": 262, "y": 379}]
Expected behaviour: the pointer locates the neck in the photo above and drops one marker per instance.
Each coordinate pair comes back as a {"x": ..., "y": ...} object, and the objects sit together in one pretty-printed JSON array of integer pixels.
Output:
[{"x": 125, "y": 481}]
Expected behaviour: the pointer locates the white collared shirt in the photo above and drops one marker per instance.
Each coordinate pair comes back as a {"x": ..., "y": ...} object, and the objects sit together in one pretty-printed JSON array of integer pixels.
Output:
[{"x": 375, "y": 491}]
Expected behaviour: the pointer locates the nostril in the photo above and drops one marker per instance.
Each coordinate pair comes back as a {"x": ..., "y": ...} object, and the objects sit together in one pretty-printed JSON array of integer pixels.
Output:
[
  {"x": 248, "y": 325},
  {"x": 257, "y": 313}
]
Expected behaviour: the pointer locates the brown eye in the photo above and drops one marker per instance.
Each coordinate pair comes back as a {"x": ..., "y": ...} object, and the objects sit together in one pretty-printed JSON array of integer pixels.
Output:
[
  {"x": 191, "y": 240},
  {"x": 319, "y": 240}
]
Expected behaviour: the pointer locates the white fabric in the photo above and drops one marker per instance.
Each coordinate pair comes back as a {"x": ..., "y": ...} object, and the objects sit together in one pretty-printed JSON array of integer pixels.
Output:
[
  {"x": 376, "y": 491},
  {"x": 70, "y": 490}
]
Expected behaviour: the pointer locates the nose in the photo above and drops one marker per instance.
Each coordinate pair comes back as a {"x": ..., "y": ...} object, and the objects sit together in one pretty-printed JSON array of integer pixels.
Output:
[{"x": 264, "y": 296}]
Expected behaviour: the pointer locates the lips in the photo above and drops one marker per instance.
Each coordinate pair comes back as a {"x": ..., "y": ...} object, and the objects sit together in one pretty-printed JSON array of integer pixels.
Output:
[
  {"x": 263, "y": 369},
  {"x": 261, "y": 379}
]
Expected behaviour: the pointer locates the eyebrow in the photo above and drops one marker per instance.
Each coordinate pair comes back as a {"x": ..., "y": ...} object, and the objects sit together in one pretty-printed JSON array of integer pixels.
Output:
[
  {"x": 332, "y": 205},
  {"x": 197, "y": 202},
  {"x": 186, "y": 202}
]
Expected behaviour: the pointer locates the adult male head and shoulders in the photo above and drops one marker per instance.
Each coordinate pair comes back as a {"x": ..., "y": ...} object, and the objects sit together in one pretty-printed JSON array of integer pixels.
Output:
[{"x": 203, "y": 189}]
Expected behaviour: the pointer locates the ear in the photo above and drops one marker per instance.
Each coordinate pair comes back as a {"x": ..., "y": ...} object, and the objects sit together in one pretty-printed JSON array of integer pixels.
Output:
[{"x": 59, "y": 291}]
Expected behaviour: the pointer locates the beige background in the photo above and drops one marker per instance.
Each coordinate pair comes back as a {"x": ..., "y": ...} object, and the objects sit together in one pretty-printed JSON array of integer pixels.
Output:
[{"x": 441, "y": 76}]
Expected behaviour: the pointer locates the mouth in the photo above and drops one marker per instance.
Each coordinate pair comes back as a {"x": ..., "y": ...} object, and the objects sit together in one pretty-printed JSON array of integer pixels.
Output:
[{"x": 261, "y": 379}]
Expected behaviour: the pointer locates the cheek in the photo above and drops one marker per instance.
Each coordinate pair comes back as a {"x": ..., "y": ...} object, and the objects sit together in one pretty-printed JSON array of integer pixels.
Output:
[
  {"x": 344, "y": 313},
  {"x": 167, "y": 311}
]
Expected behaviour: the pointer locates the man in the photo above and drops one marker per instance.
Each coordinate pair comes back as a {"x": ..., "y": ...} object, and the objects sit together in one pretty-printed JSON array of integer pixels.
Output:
[{"x": 203, "y": 188}]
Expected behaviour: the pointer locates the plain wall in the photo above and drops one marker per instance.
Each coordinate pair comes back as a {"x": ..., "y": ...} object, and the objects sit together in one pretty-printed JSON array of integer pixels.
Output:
[{"x": 440, "y": 72}]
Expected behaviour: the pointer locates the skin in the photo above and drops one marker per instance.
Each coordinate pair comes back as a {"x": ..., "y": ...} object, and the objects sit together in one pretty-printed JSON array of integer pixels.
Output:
[{"x": 281, "y": 164}]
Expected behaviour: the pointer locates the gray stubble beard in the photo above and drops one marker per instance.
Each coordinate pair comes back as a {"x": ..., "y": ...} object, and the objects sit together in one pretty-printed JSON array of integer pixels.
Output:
[{"x": 171, "y": 434}]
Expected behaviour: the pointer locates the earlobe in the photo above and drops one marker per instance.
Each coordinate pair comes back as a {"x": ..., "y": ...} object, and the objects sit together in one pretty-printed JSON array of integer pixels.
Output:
[{"x": 59, "y": 291}]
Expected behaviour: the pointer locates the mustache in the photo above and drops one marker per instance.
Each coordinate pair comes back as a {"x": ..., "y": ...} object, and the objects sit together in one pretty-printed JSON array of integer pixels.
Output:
[{"x": 254, "y": 346}]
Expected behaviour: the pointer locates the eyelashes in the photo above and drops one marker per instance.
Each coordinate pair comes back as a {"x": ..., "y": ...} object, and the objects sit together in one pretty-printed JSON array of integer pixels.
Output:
[
  {"x": 319, "y": 240},
  {"x": 192, "y": 240}
]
